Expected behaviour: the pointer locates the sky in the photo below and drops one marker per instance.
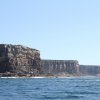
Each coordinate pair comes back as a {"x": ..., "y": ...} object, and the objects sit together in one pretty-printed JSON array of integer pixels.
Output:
[{"x": 60, "y": 29}]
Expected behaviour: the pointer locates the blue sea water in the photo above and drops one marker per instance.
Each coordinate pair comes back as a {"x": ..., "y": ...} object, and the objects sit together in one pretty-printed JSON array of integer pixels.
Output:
[{"x": 80, "y": 88}]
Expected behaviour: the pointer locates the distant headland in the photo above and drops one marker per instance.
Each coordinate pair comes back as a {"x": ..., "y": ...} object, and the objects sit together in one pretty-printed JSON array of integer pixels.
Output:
[{"x": 21, "y": 61}]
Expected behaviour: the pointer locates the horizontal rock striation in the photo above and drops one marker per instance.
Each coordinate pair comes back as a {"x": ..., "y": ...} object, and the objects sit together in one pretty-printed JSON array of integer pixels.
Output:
[
  {"x": 18, "y": 59},
  {"x": 53, "y": 67}
]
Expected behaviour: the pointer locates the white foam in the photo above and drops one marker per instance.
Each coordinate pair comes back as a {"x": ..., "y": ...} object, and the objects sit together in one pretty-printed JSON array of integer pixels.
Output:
[
  {"x": 37, "y": 77},
  {"x": 8, "y": 77},
  {"x": 22, "y": 77}
]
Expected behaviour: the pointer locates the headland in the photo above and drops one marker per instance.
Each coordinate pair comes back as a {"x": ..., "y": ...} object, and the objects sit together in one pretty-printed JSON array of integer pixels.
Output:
[{"x": 21, "y": 61}]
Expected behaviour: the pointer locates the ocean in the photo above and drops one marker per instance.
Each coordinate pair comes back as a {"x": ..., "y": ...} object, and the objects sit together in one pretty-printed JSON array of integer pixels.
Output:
[{"x": 70, "y": 88}]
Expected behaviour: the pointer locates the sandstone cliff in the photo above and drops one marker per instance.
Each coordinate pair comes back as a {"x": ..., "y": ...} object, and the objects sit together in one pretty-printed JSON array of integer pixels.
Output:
[
  {"x": 89, "y": 70},
  {"x": 62, "y": 67},
  {"x": 19, "y": 59}
]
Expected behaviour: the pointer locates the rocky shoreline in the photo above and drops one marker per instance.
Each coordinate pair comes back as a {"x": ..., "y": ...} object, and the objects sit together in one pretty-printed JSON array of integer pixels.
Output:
[
  {"x": 21, "y": 61},
  {"x": 13, "y": 75}
]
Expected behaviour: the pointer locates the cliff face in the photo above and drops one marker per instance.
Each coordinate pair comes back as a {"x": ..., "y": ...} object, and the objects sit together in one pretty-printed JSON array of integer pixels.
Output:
[
  {"x": 64, "y": 67},
  {"x": 18, "y": 59},
  {"x": 60, "y": 66},
  {"x": 89, "y": 70}
]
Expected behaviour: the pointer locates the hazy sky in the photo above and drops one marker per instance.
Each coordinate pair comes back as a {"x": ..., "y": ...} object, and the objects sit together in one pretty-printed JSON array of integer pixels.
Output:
[{"x": 60, "y": 29}]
